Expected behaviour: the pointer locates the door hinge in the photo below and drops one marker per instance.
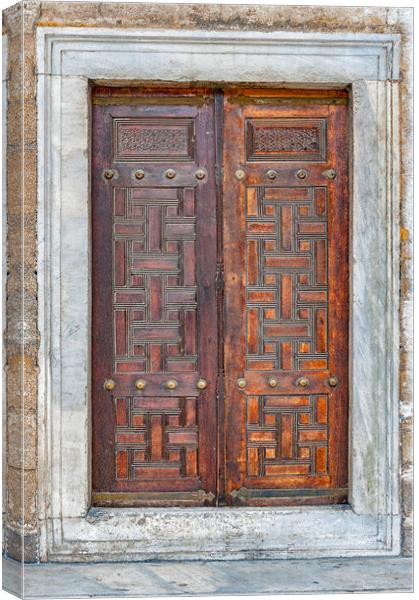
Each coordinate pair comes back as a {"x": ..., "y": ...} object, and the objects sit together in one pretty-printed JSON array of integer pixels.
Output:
[{"x": 219, "y": 279}]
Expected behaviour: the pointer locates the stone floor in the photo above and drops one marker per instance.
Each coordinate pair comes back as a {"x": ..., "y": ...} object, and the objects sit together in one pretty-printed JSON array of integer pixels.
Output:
[{"x": 53, "y": 580}]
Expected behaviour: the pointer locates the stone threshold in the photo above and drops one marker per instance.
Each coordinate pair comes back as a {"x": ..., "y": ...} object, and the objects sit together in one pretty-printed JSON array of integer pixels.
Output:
[{"x": 239, "y": 577}]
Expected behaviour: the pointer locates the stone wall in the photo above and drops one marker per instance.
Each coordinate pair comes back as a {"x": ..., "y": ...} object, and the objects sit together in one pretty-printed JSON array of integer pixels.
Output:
[{"x": 21, "y": 334}]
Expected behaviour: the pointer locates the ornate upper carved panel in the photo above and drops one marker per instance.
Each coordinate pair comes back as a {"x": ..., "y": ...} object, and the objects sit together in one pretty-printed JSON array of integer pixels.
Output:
[
  {"x": 286, "y": 139},
  {"x": 152, "y": 139}
]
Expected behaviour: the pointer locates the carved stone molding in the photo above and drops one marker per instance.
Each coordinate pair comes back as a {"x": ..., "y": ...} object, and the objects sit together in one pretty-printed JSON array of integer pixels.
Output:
[{"x": 68, "y": 59}]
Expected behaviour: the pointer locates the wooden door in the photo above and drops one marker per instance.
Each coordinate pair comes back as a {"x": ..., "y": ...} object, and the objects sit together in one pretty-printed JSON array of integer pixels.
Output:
[
  {"x": 269, "y": 347},
  {"x": 286, "y": 296},
  {"x": 154, "y": 300}
]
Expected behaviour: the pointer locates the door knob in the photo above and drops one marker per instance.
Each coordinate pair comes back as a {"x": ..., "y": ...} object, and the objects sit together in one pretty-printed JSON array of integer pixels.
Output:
[
  {"x": 140, "y": 384},
  {"x": 241, "y": 382},
  {"x": 109, "y": 385},
  {"x": 302, "y": 382},
  {"x": 201, "y": 384},
  {"x": 272, "y": 382},
  {"x": 171, "y": 384}
]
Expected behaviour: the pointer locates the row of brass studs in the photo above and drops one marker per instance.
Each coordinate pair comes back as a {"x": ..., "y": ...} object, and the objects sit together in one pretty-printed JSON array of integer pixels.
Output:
[
  {"x": 240, "y": 174},
  {"x": 140, "y": 174},
  {"x": 301, "y": 381},
  {"x": 140, "y": 384},
  {"x": 300, "y": 174}
]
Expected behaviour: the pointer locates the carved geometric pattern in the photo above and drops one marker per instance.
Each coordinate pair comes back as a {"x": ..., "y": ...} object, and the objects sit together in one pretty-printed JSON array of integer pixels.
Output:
[
  {"x": 286, "y": 285},
  {"x": 287, "y": 435},
  {"x": 286, "y": 139},
  {"x": 156, "y": 438},
  {"x": 156, "y": 140},
  {"x": 154, "y": 280}
]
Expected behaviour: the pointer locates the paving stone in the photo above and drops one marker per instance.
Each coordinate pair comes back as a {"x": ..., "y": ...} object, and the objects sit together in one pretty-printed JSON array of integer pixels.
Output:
[{"x": 54, "y": 580}]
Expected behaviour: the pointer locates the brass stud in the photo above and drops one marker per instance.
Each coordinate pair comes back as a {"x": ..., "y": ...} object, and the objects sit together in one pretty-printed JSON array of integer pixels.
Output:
[
  {"x": 200, "y": 174},
  {"x": 140, "y": 384},
  {"x": 271, "y": 174},
  {"x": 302, "y": 174},
  {"x": 273, "y": 382},
  {"x": 201, "y": 384},
  {"x": 139, "y": 174},
  {"x": 240, "y": 174},
  {"x": 108, "y": 173},
  {"x": 241, "y": 383},
  {"x": 171, "y": 384},
  {"x": 109, "y": 385},
  {"x": 332, "y": 381},
  {"x": 302, "y": 382},
  {"x": 330, "y": 173},
  {"x": 170, "y": 173}
]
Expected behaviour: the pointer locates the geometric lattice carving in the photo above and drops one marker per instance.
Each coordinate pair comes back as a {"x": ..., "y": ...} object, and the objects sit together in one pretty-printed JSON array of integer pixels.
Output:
[
  {"x": 156, "y": 438},
  {"x": 287, "y": 435},
  {"x": 155, "y": 304},
  {"x": 286, "y": 139},
  {"x": 286, "y": 286},
  {"x": 155, "y": 140}
]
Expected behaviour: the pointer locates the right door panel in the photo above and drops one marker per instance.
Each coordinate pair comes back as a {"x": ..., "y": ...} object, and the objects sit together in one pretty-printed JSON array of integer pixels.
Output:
[{"x": 286, "y": 293}]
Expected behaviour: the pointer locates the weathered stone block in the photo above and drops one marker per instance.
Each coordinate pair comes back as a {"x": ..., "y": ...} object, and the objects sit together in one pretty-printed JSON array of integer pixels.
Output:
[
  {"x": 21, "y": 497},
  {"x": 21, "y": 190},
  {"x": 406, "y": 434},
  {"x": 407, "y": 537},
  {"x": 19, "y": 399},
  {"x": 22, "y": 546},
  {"x": 21, "y": 439}
]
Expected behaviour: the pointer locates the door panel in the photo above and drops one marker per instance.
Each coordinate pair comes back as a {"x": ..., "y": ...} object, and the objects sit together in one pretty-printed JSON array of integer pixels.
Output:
[
  {"x": 154, "y": 298},
  {"x": 286, "y": 274}
]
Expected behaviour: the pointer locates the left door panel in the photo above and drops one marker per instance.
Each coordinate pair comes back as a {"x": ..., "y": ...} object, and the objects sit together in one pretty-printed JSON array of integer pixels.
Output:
[{"x": 154, "y": 309}]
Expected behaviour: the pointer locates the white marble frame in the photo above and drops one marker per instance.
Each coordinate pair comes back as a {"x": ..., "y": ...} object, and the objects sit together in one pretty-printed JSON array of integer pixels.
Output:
[{"x": 68, "y": 60}]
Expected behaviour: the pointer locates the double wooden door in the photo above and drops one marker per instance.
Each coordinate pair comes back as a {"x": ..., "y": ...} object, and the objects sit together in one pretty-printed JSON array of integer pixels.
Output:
[{"x": 219, "y": 297}]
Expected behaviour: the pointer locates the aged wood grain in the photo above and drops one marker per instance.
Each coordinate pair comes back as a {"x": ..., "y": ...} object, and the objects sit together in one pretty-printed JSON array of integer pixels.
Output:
[
  {"x": 154, "y": 297},
  {"x": 286, "y": 296},
  {"x": 221, "y": 278}
]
